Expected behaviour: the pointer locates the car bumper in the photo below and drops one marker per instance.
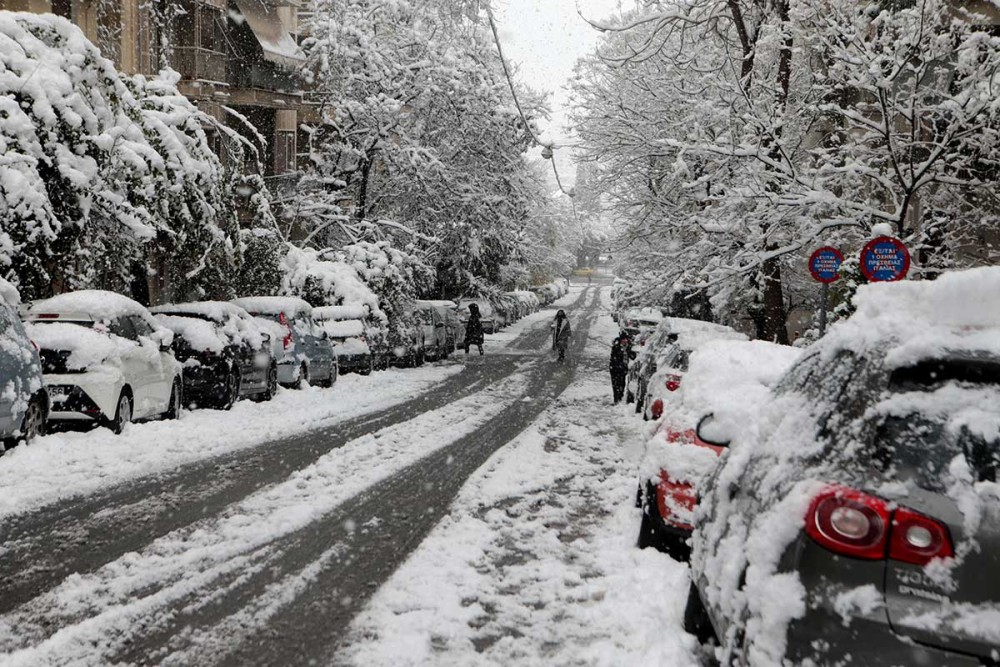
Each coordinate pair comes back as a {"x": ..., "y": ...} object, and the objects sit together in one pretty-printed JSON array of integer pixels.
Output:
[
  {"x": 289, "y": 371},
  {"x": 83, "y": 396},
  {"x": 353, "y": 362}
]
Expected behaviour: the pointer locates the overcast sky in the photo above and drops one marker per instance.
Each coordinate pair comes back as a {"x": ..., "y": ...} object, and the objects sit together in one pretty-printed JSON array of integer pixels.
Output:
[{"x": 545, "y": 38}]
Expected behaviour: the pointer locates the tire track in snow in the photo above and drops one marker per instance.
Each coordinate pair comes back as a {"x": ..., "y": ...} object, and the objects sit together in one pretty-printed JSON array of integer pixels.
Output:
[{"x": 142, "y": 601}]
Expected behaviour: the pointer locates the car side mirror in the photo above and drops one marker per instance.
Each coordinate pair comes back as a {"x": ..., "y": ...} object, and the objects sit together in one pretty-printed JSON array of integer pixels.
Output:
[{"x": 714, "y": 431}]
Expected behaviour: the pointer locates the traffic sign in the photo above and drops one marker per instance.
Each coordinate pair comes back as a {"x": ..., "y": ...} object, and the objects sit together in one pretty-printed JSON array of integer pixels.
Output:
[
  {"x": 824, "y": 264},
  {"x": 885, "y": 259}
]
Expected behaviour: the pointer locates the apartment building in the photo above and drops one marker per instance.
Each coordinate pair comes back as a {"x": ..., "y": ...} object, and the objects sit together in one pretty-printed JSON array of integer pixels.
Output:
[{"x": 237, "y": 60}]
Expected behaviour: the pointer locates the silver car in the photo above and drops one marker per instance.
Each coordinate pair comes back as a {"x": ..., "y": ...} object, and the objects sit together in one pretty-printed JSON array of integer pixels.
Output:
[
  {"x": 24, "y": 405},
  {"x": 301, "y": 346}
]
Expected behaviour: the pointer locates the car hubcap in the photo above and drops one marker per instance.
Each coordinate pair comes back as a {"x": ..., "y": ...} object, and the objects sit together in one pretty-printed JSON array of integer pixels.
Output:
[{"x": 33, "y": 422}]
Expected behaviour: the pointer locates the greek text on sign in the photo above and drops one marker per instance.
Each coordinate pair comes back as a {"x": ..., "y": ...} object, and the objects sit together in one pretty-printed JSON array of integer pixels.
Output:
[
  {"x": 884, "y": 259},
  {"x": 824, "y": 264}
]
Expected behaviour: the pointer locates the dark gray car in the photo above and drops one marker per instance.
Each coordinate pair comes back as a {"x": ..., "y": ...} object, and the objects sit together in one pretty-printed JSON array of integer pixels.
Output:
[
  {"x": 24, "y": 404},
  {"x": 861, "y": 524}
]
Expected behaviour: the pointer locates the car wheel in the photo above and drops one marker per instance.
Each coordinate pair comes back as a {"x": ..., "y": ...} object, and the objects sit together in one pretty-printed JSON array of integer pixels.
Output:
[
  {"x": 303, "y": 377},
  {"x": 123, "y": 413},
  {"x": 421, "y": 357},
  {"x": 176, "y": 398},
  {"x": 367, "y": 370},
  {"x": 272, "y": 383},
  {"x": 696, "y": 621},
  {"x": 33, "y": 425}
]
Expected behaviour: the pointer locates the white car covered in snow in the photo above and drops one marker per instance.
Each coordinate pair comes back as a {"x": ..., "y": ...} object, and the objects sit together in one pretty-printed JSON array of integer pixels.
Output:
[{"x": 105, "y": 359}]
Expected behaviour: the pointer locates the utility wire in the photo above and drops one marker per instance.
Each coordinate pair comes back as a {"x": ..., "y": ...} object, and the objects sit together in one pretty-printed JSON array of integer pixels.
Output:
[{"x": 547, "y": 148}]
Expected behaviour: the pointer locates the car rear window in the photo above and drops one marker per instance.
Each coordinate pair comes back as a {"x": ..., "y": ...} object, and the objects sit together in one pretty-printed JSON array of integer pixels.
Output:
[{"x": 920, "y": 445}]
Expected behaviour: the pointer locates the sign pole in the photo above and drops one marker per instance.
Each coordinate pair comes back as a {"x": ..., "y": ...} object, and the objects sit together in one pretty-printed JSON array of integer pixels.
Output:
[
  {"x": 824, "y": 265},
  {"x": 824, "y": 299}
]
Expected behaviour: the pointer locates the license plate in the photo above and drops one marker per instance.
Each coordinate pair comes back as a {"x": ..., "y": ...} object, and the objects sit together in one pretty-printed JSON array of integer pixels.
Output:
[{"x": 58, "y": 393}]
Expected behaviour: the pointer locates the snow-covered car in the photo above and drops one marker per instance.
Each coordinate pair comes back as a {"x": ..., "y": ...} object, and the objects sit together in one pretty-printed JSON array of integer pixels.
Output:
[
  {"x": 676, "y": 461},
  {"x": 856, "y": 519},
  {"x": 639, "y": 322},
  {"x": 434, "y": 329},
  {"x": 24, "y": 403},
  {"x": 660, "y": 366},
  {"x": 105, "y": 359},
  {"x": 350, "y": 343},
  {"x": 486, "y": 314},
  {"x": 224, "y": 352},
  {"x": 454, "y": 331},
  {"x": 302, "y": 349},
  {"x": 406, "y": 344}
]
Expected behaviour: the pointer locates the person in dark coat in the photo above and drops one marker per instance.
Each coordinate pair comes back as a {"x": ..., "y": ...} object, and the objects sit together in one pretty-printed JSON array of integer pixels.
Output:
[
  {"x": 561, "y": 334},
  {"x": 474, "y": 329},
  {"x": 621, "y": 354}
]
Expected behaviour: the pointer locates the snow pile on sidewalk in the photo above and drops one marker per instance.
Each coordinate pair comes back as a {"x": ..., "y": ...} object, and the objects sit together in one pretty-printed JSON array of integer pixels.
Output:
[{"x": 537, "y": 563}]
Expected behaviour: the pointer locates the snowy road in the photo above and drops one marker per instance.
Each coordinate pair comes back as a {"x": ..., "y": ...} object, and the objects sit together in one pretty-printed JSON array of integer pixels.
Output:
[{"x": 316, "y": 547}]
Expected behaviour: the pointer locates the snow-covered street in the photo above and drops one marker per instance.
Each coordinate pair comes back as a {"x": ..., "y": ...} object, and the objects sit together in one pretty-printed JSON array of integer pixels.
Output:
[{"x": 479, "y": 511}]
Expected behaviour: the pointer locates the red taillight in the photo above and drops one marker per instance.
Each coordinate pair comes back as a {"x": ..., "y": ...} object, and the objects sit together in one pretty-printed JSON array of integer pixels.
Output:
[
  {"x": 849, "y": 522},
  {"x": 856, "y": 524},
  {"x": 917, "y": 538},
  {"x": 286, "y": 342},
  {"x": 656, "y": 410},
  {"x": 673, "y": 382},
  {"x": 35, "y": 345},
  {"x": 676, "y": 501}
]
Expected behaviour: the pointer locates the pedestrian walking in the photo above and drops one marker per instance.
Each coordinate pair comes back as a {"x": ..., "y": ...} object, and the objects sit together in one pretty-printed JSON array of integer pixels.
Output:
[
  {"x": 621, "y": 354},
  {"x": 561, "y": 334},
  {"x": 474, "y": 330}
]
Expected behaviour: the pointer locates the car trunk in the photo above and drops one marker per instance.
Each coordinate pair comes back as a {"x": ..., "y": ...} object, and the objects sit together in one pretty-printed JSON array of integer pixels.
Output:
[
  {"x": 957, "y": 611},
  {"x": 939, "y": 434}
]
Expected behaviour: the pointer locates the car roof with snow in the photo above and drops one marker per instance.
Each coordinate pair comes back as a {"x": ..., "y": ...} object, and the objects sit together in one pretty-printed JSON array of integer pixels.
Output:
[
  {"x": 217, "y": 311},
  {"x": 88, "y": 305},
  {"x": 274, "y": 305},
  {"x": 728, "y": 375},
  {"x": 345, "y": 312},
  {"x": 911, "y": 321},
  {"x": 691, "y": 334}
]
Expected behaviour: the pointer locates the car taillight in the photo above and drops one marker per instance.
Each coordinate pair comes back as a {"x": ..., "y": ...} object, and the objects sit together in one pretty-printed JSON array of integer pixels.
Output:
[
  {"x": 853, "y": 523},
  {"x": 286, "y": 342},
  {"x": 673, "y": 382},
  {"x": 849, "y": 522},
  {"x": 656, "y": 410},
  {"x": 35, "y": 345},
  {"x": 917, "y": 538}
]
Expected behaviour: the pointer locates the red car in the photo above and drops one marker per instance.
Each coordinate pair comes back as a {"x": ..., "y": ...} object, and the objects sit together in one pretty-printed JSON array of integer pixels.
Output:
[{"x": 735, "y": 375}]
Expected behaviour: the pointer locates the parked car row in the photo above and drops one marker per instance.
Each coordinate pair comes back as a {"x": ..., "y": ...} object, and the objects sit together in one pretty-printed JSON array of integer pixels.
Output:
[
  {"x": 839, "y": 503},
  {"x": 499, "y": 312},
  {"x": 93, "y": 357}
]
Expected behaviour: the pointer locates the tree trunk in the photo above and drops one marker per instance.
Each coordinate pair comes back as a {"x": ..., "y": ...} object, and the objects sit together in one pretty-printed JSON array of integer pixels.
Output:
[{"x": 773, "y": 324}]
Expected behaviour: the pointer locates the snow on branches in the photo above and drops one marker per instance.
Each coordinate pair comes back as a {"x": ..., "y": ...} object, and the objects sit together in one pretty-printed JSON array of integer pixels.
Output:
[
  {"x": 103, "y": 177},
  {"x": 792, "y": 125}
]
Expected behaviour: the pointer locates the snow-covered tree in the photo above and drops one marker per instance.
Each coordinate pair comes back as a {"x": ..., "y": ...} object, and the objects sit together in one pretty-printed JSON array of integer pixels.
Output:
[
  {"x": 420, "y": 141},
  {"x": 790, "y": 125},
  {"x": 105, "y": 181}
]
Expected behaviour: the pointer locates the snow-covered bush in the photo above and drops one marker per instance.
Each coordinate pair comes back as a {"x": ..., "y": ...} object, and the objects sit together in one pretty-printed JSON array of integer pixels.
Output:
[{"x": 325, "y": 282}]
